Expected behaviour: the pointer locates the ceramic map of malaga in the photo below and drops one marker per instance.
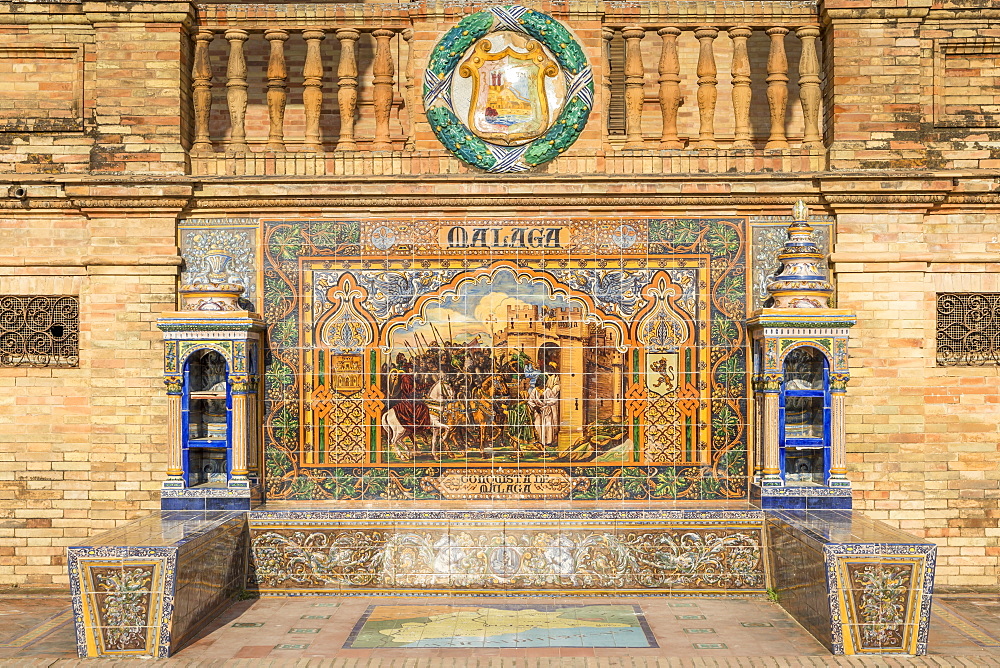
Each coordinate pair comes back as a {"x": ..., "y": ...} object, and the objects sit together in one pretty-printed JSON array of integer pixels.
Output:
[
  {"x": 471, "y": 626},
  {"x": 508, "y": 88},
  {"x": 542, "y": 359}
]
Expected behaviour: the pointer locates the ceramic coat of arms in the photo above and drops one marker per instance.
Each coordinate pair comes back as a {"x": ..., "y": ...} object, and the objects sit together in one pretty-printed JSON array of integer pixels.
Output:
[{"x": 507, "y": 89}]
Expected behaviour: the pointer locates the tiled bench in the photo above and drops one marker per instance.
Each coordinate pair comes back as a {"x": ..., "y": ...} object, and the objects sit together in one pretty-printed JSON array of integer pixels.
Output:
[
  {"x": 518, "y": 552},
  {"x": 147, "y": 587},
  {"x": 858, "y": 585}
]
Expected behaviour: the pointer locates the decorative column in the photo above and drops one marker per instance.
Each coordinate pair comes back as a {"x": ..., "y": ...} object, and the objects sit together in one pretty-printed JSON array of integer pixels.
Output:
[
  {"x": 772, "y": 474},
  {"x": 175, "y": 465},
  {"x": 238, "y": 477},
  {"x": 607, "y": 34},
  {"x": 236, "y": 90},
  {"x": 707, "y": 82},
  {"x": 777, "y": 87},
  {"x": 409, "y": 101},
  {"x": 312, "y": 87},
  {"x": 634, "y": 82},
  {"x": 382, "y": 83},
  {"x": 201, "y": 75},
  {"x": 670, "y": 89},
  {"x": 809, "y": 90},
  {"x": 277, "y": 89},
  {"x": 838, "y": 430},
  {"x": 347, "y": 87},
  {"x": 741, "y": 86}
]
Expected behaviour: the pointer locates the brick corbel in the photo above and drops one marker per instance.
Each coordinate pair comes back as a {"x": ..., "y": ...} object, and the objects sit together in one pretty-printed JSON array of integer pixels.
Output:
[{"x": 912, "y": 195}]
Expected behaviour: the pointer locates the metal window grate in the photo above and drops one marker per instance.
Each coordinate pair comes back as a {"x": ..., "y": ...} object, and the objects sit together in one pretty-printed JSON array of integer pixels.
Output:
[
  {"x": 968, "y": 328},
  {"x": 39, "y": 330}
]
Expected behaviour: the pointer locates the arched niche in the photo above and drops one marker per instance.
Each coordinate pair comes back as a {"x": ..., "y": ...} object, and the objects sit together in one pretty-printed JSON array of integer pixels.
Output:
[
  {"x": 206, "y": 419},
  {"x": 804, "y": 417}
]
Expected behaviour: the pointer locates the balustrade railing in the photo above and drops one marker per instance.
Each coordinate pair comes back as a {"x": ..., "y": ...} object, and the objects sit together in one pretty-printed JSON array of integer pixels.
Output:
[
  {"x": 313, "y": 85},
  {"x": 741, "y": 96},
  {"x": 686, "y": 93}
]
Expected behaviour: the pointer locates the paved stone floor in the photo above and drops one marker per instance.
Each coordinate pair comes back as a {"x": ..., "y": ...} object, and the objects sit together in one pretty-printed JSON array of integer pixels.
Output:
[{"x": 36, "y": 630}]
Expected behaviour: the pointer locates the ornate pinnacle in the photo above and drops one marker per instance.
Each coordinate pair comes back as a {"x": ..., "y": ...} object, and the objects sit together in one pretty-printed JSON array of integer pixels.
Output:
[{"x": 802, "y": 281}]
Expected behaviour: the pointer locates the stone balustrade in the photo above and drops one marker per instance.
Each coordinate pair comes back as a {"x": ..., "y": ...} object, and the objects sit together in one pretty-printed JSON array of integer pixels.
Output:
[
  {"x": 741, "y": 69},
  {"x": 308, "y": 87},
  {"x": 338, "y": 91}
]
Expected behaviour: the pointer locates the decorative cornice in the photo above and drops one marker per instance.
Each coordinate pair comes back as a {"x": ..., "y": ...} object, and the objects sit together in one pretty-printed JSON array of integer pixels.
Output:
[{"x": 541, "y": 200}]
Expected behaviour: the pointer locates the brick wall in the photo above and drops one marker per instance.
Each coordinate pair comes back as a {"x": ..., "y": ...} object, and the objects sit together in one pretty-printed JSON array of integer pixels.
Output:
[{"x": 83, "y": 449}]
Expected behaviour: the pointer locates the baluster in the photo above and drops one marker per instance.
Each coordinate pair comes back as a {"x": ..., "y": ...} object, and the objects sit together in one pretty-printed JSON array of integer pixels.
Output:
[
  {"x": 707, "y": 82},
  {"x": 607, "y": 34},
  {"x": 777, "y": 87},
  {"x": 347, "y": 87},
  {"x": 670, "y": 89},
  {"x": 809, "y": 91},
  {"x": 236, "y": 90},
  {"x": 201, "y": 74},
  {"x": 741, "y": 86},
  {"x": 382, "y": 83},
  {"x": 277, "y": 89},
  {"x": 408, "y": 100},
  {"x": 312, "y": 87},
  {"x": 634, "y": 81}
]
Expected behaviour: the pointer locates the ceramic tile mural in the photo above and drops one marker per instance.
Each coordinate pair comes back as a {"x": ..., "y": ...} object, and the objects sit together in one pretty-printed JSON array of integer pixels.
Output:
[
  {"x": 570, "y": 552},
  {"x": 505, "y": 359}
]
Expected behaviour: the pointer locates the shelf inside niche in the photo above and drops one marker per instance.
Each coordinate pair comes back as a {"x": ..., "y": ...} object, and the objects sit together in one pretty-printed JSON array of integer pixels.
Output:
[{"x": 208, "y": 395}]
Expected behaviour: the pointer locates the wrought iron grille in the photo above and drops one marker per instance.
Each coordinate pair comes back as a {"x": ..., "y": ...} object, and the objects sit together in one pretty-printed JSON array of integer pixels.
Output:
[
  {"x": 39, "y": 330},
  {"x": 968, "y": 328}
]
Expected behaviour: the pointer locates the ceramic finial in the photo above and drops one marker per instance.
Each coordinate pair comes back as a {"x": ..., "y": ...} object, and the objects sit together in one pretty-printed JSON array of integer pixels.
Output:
[
  {"x": 802, "y": 281},
  {"x": 800, "y": 211}
]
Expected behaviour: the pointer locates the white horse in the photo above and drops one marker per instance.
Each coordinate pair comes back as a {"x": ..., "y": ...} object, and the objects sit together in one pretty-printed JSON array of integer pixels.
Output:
[{"x": 438, "y": 399}]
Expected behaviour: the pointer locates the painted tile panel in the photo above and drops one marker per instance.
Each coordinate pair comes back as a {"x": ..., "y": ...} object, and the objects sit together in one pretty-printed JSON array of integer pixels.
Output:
[{"x": 505, "y": 359}]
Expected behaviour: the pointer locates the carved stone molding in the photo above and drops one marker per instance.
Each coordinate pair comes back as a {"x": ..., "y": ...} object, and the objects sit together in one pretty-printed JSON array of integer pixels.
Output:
[
  {"x": 433, "y": 201},
  {"x": 873, "y": 198},
  {"x": 982, "y": 198},
  {"x": 128, "y": 203}
]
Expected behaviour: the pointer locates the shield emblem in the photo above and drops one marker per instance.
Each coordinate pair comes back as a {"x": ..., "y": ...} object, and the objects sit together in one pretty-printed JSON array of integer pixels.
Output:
[{"x": 509, "y": 104}]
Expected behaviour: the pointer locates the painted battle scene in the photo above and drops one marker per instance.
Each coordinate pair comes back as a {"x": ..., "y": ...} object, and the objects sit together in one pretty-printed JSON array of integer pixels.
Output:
[
  {"x": 566, "y": 360},
  {"x": 479, "y": 376}
]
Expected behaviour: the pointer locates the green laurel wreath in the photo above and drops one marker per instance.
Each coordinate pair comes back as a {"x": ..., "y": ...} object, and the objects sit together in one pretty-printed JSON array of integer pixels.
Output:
[{"x": 457, "y": 137}]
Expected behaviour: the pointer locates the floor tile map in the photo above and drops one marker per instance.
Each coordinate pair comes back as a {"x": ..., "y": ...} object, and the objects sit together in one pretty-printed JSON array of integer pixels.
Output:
[
  {"x": 519, "y": 359},
  {"x": 416, "y": 626}
]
